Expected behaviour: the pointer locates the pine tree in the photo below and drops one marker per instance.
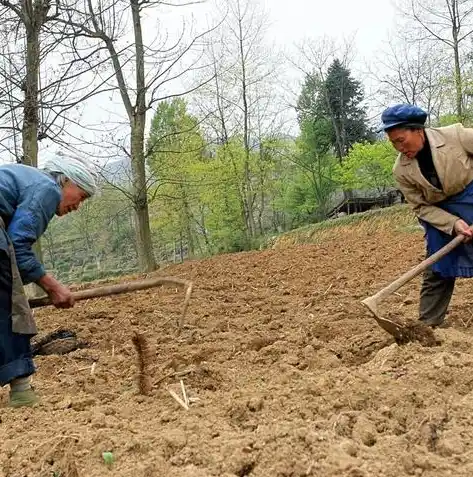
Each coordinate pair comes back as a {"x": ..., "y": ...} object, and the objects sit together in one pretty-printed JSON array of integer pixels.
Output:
[{"x": 335, "y": 99}]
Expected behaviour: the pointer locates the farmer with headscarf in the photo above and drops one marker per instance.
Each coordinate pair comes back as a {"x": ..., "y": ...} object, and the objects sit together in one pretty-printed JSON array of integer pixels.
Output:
[
  {"x": 434, "y": 171},
  {"x": 29, "y": 198}
]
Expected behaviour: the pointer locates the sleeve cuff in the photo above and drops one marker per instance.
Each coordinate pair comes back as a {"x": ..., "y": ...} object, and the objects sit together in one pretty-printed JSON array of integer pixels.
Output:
[
  {"x": 34, "y": 276},
  {"x": 450, "y": 228}
]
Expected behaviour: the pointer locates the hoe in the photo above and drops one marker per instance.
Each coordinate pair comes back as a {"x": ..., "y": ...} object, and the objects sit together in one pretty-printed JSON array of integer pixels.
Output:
[
  {"x": 63, "y": 341},
  {"x": 401, "y": 332}
]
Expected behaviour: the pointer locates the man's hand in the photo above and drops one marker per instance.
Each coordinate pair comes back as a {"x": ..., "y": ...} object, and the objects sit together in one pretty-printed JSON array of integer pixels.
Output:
[
  {"x": 461, "y": 227},
  {"x": 60, "y": 295}
]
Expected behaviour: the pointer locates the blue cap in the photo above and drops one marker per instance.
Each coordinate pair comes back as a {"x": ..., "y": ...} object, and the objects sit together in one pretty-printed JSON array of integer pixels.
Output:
[{"x": 402, "y": 114}]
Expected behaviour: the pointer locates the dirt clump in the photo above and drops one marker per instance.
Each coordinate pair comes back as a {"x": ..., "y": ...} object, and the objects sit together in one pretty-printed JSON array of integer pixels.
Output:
[{"x": 418, "y": 331}]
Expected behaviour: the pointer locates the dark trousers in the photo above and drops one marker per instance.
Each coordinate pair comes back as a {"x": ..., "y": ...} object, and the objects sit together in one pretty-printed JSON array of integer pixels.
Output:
[
  {"x": 15, "y": 350},
  {"x": 435, "y": 297}
]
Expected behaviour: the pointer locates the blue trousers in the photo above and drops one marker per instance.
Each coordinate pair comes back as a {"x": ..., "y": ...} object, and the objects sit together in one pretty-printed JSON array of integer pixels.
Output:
[{"x": 16, "y": 359}]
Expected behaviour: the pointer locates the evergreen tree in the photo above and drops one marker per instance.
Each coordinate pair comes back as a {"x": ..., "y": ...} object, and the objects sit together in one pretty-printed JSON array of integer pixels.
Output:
[{"x": 336, "y": 100}]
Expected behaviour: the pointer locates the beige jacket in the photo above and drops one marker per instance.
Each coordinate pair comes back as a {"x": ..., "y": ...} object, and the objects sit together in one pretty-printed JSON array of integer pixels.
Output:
[{"x": 452, "y": 154}]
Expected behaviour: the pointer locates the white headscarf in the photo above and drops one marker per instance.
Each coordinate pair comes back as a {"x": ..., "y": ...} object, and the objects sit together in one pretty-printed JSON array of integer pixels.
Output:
[{"x": 77, "y": 170}]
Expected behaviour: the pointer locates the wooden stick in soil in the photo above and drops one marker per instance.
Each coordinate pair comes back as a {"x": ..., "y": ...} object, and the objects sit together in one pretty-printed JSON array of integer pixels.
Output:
[
  {"x": 178, "y": 399},
  {"x": 144, "y": 358},
  {"x": 184, "y": 393},
  {"x": 180, "y": 321}
]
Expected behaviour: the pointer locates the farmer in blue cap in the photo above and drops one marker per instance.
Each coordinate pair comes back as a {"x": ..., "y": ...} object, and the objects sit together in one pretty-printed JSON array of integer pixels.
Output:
[
  {"x": 434, "y": 171},
  {"x": 29, "y": 198}
]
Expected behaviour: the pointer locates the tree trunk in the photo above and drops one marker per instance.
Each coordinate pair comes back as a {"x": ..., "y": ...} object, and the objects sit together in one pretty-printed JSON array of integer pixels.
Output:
[
  {"x": 188, "y": 225},
  {"x": 248, "y": 193},
  {"x": 336, "y": 129},
  {"x": 456, "y": 27},
  {"x": 458, "y": 82},
  {"x": 204, "y": 230},
  {"x": 181, "y": 247},
  {"x": 261, "y": 184},
  {"x": 30, "y": 108},
  {"x": 144, "y": 245}
]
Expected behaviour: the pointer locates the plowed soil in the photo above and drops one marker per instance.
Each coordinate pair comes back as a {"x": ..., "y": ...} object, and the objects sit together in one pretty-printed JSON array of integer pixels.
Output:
[{"x": 287, "y": 375}]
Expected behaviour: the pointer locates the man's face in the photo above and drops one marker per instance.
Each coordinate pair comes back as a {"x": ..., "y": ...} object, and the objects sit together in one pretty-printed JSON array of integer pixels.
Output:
[
  {"x": 408, "y": 142},
  {"x": 72, "y": 197}
]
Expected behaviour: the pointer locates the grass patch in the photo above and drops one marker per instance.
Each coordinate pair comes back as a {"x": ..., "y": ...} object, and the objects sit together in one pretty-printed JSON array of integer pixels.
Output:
[{"x": 398, "y": 218}]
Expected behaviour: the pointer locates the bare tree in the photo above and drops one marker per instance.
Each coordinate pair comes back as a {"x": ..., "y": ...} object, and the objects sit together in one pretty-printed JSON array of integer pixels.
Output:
[
  {"x": 32, "y": 15},
  {"x": 410, "y": 73},
  {"x": 450, "y": 23},
  {"x": 243, "y": 87},
  {"x": 47, "y": 73},
  {"x": 144, "y": 65}
]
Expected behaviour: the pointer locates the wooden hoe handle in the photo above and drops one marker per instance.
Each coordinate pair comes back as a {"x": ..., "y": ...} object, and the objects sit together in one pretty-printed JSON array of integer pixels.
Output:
[
  {"x": 117, "y": 289},
  {"x": 417, "y": 270}
]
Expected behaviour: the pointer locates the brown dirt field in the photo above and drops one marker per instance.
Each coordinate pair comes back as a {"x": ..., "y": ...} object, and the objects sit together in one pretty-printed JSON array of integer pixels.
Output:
[{"x": 293, "y": 377}]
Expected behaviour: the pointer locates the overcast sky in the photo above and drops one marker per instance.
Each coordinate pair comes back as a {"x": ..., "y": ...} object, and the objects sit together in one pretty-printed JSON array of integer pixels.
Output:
[
  {"x": 370, "y": 22},
  {"x": 292, "y": 20}
]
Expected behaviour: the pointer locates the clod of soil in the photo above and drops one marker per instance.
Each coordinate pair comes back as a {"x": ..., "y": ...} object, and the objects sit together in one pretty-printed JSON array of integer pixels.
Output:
[
  {"x": 58, "y": 342},
  {"x": 418, "y": 331}
]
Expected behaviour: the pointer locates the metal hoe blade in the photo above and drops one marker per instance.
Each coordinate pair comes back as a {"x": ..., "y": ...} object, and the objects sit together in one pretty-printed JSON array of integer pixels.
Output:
[{"x": 394, "y": 329}]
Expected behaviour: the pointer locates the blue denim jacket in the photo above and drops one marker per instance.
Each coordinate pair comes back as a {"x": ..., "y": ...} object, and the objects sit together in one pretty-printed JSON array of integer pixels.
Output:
[{"x": 28, "y": 201}]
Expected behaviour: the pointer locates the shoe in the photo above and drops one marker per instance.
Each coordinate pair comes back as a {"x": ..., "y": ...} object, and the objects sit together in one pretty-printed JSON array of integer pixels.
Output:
[
  {"x": 436, "y": 324},
  {"x": 26, "y": 398},
  {"x": 443, "y": 325}
]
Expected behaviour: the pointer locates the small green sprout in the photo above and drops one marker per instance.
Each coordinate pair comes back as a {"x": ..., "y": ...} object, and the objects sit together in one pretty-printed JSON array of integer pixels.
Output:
[{"x": 108, "y": 458}]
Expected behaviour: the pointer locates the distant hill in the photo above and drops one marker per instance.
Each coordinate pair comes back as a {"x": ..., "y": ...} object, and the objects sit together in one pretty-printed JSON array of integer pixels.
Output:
[{"x": 117, "y": 171}]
